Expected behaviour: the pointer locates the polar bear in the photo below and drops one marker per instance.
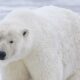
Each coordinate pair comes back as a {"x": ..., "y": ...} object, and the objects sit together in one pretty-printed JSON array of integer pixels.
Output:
[{"x": 40, "y": 44}]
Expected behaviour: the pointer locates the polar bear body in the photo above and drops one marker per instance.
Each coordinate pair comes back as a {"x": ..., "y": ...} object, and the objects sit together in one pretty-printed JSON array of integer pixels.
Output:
[
  {"x": 59, "y": 18},
  {"x": 51, "y": 49}
]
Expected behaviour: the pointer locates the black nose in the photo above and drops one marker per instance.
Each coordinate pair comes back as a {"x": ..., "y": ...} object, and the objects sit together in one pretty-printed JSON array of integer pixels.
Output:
[{"x": 2, "y": 55}]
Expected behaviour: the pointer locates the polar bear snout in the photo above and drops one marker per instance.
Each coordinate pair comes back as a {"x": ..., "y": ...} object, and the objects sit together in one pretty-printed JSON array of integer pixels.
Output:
[{"x": 2, "y": 55}]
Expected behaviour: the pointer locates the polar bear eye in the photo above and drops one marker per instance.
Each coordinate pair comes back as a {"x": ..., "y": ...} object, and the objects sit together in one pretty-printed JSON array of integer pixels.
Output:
[
  {"x": 11, "y": 42},
  {"x": 25, "y": 32}
]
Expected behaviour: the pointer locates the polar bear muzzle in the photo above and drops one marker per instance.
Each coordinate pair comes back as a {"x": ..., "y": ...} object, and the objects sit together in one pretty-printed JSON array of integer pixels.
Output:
[{"x": 2, "y": 55}]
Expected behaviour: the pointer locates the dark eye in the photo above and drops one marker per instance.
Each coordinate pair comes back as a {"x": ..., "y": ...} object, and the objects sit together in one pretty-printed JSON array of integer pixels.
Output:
[
  {"x": 24, "y": 33},
  {"x": 11, "y": 42}
]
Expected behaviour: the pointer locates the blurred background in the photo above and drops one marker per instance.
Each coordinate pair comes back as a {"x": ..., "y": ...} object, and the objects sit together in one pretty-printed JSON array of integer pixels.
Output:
[{"x": 7, "y": 5}]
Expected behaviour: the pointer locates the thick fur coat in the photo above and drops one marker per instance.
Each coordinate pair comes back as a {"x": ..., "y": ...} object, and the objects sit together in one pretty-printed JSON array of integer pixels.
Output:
[{"x": 49, "y": 51}]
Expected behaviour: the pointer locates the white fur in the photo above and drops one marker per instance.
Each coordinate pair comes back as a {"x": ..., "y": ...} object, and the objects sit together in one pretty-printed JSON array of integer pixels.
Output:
[{"x": 51, "y": 49}]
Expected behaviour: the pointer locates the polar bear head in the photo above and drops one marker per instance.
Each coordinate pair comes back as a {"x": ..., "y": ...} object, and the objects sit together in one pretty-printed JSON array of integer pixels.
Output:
[{"x": 15, "y": 42}]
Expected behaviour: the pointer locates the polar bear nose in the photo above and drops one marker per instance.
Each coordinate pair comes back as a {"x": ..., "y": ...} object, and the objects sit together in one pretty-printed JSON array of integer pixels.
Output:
[{"x": 2, "y": 55}]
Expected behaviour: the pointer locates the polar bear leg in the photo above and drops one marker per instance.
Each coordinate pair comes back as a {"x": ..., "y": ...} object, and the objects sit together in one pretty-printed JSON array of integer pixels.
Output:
[
  {"x": 15, "y": 71},
  {"x": 75, "y": 76},
  {"x": 45, "y": 66}
]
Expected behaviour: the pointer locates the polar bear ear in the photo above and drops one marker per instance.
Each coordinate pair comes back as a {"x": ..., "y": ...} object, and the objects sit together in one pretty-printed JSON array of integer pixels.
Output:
[{"x": 25, "y": 32}]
